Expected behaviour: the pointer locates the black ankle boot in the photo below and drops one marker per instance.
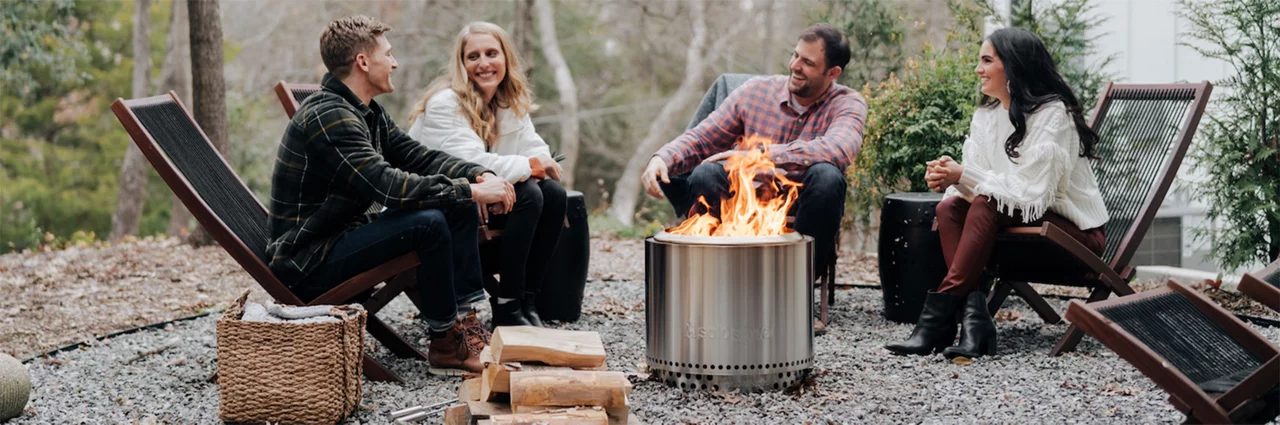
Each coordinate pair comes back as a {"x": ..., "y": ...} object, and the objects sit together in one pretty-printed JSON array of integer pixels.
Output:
[
  {"x": 936, "y": 328},
  {"x": 530, "y": 308},
  {"x": 978, "y": 335},
  {"x": 508, "y": 314}
]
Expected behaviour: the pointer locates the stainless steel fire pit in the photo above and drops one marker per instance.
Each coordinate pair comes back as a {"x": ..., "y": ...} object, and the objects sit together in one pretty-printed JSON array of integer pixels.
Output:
[{"x": 729, "y": 312}]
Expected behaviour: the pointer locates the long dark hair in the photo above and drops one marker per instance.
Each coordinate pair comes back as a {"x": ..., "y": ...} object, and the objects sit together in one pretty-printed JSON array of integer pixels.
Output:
[{"x": 1033, "y": 81}]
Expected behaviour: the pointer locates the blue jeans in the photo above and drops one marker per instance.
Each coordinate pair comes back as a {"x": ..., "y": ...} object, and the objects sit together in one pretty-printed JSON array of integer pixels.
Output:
[
  {"x": 446, "y": 244},
  {"x": 818, "y": 209}
]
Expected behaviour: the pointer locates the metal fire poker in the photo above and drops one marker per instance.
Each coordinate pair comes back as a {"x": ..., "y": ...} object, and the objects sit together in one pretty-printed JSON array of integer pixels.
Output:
[{"x": 418, "y": 413}]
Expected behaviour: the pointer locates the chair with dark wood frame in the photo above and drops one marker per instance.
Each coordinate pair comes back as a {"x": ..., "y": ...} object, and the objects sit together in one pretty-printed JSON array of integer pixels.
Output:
[
  {"x": 181, "y": 153},
  {"x": 1263, "y": 285},
  {"x": 1144, "y": 131},
  {"x": 1215, "y": 369}
]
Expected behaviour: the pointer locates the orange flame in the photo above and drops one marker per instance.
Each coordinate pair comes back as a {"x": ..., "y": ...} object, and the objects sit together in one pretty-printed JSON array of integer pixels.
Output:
[{"x": 744, "y": 213}]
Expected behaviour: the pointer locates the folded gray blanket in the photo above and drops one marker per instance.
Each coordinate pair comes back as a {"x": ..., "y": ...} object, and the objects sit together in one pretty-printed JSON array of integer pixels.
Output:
[{"x": 276, "y": 313}]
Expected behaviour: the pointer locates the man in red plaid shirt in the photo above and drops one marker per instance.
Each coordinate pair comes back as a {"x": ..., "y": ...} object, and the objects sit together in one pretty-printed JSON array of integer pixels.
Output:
[{"x": 818, "y": 124}]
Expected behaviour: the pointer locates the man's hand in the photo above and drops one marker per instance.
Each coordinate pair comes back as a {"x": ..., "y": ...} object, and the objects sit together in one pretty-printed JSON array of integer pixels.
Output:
[
  {"x": 494, "y": 190},
  {"x": 657, "y": 169},
  {"x": 549, "y": 166},
  {"x": 942, "y": 173}
]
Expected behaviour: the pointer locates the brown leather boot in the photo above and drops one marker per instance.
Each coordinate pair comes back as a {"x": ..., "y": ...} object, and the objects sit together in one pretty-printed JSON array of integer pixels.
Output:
[
  {"x": 450, "y": 356},
  {"x": 476, "y": 335}
]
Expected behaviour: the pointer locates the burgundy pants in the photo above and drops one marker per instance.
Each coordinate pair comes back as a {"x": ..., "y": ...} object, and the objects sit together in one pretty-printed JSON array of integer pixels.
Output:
[{"x": 968, "y": 233}]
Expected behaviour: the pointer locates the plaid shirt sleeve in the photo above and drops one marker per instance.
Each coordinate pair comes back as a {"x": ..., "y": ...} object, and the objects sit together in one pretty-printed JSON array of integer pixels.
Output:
[
  {"x": 717, "y": 133},
  {"x": 412, "y": 156},
  {"x": 839, "y": 145},
  {"x": 341, "y": 142}
]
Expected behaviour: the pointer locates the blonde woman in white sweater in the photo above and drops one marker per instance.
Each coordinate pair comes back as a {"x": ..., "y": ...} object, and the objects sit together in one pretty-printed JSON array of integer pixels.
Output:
[
  {"x": 1026, "y": 162},
  {"x": 479, "y": 111}
]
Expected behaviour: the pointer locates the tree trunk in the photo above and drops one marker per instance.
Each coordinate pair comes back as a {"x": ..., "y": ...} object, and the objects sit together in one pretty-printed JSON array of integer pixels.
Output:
[
  {"x": 209, "y": 103},
  {"x": 176, "y": 75},
  {"x": 133, "y": 173},
  {"x": 564, "y": 85},
  {"x": 627, "y": 191},
  {"x": 523, "y": 30}
]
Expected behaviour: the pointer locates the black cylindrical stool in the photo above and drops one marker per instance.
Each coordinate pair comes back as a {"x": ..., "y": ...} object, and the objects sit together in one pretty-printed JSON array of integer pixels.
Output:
[
  {"x": 561, "y": 296},
  {"x": 911, "y": 262}
]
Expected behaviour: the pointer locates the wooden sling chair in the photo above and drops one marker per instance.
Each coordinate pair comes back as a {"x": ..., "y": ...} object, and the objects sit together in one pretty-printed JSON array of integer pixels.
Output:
[
  {"x": 1144, "y": 131},
  {"x": 719, "y": 91},
  {"x": 1215, "y": 369},
  {"x": 181, "y": 153},
  {"x": 291, "y": 96},
  {"x": 1263, "y": 286}
]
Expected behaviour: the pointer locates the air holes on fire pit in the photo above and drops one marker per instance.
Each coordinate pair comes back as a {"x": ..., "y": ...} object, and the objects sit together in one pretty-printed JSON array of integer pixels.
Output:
[{"x": 715, "y": 388}]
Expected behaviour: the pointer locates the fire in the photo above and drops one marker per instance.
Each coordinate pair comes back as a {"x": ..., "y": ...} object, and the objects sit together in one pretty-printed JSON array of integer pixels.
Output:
[{"x": 744, "y": 212}]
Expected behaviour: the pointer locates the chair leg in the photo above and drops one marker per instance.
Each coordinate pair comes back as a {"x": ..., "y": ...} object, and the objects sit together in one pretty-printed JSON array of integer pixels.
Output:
[
  {"x": 1036, "y": 301},
  {"x": 392, "y": 340},
  {"x": 996, "y": 298},
  {"x": 377, "y": 372},
  {"x": 826, "y": 283},
  {"x": 1074, "y": 333}
]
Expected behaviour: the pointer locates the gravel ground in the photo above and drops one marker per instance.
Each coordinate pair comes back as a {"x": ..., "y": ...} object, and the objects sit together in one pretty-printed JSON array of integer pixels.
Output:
[{"x": 856, "y": 381}]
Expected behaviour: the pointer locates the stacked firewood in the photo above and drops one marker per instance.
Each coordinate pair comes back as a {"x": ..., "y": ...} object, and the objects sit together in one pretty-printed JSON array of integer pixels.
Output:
[{"x": 540, "y": 375}]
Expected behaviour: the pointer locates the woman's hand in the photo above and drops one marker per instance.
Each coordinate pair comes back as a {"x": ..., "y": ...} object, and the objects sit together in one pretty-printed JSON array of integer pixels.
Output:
[
  {"x": 942, "y": 173},
  {"x": 550, "y": 167}
]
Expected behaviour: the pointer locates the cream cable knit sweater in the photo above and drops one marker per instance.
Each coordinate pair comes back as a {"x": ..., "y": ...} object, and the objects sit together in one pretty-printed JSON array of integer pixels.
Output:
[{"x": 1050, "y": 175}]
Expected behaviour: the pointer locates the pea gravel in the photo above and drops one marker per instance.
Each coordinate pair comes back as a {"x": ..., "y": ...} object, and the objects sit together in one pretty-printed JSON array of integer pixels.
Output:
[{"x": 856, "y": 381}]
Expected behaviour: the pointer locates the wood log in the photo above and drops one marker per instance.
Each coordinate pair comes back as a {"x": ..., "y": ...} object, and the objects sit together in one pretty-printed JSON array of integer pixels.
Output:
[
  {"x": 486, "y": 410},
  {"x": 617, "y": 415},
  {"x": 496, "y": 379},
  {"x": 575, "y": 416},
  {"x": 469, "y": 390},
  {"x": 555, "y": 347},
  {"x": 458, "y": 414},
  {"x": 569, "y": 388}
]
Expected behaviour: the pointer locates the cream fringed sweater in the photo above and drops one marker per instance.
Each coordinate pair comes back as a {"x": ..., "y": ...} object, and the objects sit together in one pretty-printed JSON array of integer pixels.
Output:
[{"x": 1050, "y": 174}]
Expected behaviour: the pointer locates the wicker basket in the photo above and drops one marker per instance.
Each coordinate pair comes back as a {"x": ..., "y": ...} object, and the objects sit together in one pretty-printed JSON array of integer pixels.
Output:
[{"x": 308, "y": 373}]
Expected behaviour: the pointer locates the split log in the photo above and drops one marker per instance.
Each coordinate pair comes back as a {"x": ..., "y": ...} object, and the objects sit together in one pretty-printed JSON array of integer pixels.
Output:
[
  {"x": 458, "y": 414},
  {"x": 617, "y": 415},
  {"x": 486, "y": 410},
  {"x": 575, "y": 416},
  {"x": 569, "y": 388},
  {"x": 555, "y": 347},
  {"x": 496, "y": 379},
  {"x": 469, "y": 390}
]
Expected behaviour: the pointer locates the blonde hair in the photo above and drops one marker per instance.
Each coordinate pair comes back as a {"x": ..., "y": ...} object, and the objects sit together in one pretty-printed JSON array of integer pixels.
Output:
[{"x": 513, "y": 92}]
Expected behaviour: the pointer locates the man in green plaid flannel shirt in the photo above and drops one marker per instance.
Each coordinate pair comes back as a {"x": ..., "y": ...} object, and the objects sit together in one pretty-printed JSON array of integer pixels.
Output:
[{"x": 341, "y": 157}]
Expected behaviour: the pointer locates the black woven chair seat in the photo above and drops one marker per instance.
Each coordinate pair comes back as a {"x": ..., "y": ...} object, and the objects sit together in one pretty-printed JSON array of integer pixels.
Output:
[
  {"x": 1176, "y": 330},
  {"x": 301, "y": 94},
  {"x": 216, "y": 184},
  {"x": 1273, "y": 278}
]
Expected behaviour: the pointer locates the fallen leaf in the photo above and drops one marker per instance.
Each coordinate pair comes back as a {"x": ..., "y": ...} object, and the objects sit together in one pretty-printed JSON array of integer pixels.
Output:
[{"x": 962, "y": 361}]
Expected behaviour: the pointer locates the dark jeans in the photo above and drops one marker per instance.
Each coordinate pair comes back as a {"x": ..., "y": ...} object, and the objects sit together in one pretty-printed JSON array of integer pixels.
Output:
[
  {"x": 445, "y": 240},
  {"x": 529, "y": 235},
  {"x": 818, "y": 210},
  {"x": 968, "y": 234}
]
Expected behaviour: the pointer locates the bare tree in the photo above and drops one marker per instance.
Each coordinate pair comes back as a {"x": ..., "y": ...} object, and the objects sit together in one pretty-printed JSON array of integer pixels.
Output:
[
  {"x": 564, "y": 85},
  {"x": 175, "y": 74},
  {"x": 627, "y": 191},
  {"x": 133, "y": 173},
  {"x": 523, "y": 30},
  {"x": 208, "y": 86}
]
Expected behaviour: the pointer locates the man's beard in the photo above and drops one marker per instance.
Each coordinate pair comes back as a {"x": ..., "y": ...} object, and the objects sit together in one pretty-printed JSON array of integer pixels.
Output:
[{"x": 808, "y": 89}]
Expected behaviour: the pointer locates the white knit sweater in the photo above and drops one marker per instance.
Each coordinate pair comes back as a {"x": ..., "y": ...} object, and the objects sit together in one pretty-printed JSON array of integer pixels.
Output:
[
  {"x": 1050, "y": 174},
  {"x": 442, "y": 126}
]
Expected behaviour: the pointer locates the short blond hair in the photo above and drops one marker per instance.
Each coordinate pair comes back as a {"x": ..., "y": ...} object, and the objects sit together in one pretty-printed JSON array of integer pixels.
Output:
[{"x": 344, "y": 38}]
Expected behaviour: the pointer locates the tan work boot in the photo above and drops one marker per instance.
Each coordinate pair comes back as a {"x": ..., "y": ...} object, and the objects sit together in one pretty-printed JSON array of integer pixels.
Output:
[
  {"x": 476, "y": 336},
  {"x": 450, "y": 356}
]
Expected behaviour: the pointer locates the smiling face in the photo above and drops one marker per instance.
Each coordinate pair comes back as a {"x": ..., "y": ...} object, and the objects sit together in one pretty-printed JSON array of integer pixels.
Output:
[
  {"x": 485, "y": 62},
  {"x": 809, "y": 73},
  {"x": 378, "y": 64},
  {"x": 991, "y": 70}
]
